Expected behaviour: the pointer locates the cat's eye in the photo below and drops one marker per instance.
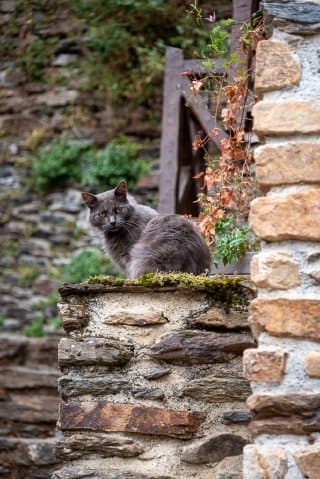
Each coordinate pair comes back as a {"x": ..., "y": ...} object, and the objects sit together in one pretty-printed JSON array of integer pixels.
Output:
[
  {"x": 117, "y": 210},
  {"x": 102, "y": 214}
]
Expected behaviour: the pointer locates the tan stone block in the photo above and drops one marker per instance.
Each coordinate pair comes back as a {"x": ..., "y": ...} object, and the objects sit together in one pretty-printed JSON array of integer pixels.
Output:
[
  {"x": 289, "y": 163},
  {"x": 286, "y": 117},
  {"x": 309, "y": 462},
  {"x": 264, "y": 366},
  {"x": 276, "y": 66},
  {"x": 288, "y": 317},
  {"x": 312, "y": 364},
  {"x": 294, "y": 216},
  {"x": 264, "y": 462},
  {"x": 277, "y": 270}
]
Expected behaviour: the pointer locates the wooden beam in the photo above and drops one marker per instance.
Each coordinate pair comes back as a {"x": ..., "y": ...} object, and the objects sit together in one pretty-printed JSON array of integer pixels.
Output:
[{"x": 169, "y": 149}]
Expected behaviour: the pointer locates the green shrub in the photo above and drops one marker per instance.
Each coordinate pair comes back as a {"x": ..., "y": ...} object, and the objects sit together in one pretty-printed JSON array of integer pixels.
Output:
[
  {"x": 84, "y": 263},
  {"x": 116, "y": 162},
  {"x": 35, "y": 329},
  {"x": 233, "y": 240},
  {"x": 125, "y": 43},
  {"x": 69, "y": 163},
  {"x": 28, "y": 274},
  {"x": 57, "y": 165}
]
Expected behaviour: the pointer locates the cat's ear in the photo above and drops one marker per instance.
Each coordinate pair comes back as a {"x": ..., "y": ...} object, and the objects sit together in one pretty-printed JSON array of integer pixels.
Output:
[
  {"x": 121, "y": 190},
  {"x": 90, "y": 199}
]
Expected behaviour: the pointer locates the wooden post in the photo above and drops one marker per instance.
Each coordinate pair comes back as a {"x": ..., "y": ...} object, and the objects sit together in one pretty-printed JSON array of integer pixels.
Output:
[{"x": 170, "y": 131}]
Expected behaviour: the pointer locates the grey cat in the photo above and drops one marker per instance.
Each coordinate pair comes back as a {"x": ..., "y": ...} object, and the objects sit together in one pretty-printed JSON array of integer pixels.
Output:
[{"x": 139, "y": 241}]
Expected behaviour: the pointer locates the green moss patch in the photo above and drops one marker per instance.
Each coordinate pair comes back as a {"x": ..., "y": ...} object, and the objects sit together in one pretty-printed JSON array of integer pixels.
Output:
[{"x": 159, "y": 280}]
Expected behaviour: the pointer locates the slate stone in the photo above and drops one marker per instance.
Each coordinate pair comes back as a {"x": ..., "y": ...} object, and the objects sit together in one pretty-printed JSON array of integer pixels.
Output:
[
  {"x": 93, "y": 351},
  {"x": 147, "y": 393},
  {"x": 214, "y": 449},
  {"x": 218, "y": 389},
  {"x": 236, "y": 417},
  {"x": 84, "y": 473},
  {"x": 22, "y": 377},
  {"x": 302, "y": 12},
  {"x": 157, "y": 373},
  {"x": 199, "y": 347},
  {"x": 79, "y": 445},
  {"x": 70, "y": 386},
  {"x": 115, "y": 417}
]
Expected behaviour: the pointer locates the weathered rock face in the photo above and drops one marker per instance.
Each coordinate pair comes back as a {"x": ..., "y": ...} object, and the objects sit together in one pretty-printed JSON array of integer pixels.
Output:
[
  {"x": 277, "y": 270},
  {"x": 288, "y": 163},
  {"x": 138, "y": 382},
  {"x": 291, "y": 217},
  {"x": 286, "y": 118},
  {"x": 276, "y": 66},
  {"x": 287, "y": 317},
  {"x": 264, "y": 366},
  {"x": 29, "y": 406}
]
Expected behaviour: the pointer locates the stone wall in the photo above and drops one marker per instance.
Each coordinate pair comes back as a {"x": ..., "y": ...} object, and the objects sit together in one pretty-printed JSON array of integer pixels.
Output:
[
  {"x": 285, "y": 368},
  {"x": 28, "y": 406},
  {"x": 152, "y": 384}
]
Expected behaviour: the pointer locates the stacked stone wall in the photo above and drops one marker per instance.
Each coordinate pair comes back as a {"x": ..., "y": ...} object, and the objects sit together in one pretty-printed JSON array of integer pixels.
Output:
[
  {"x": 284, "y": 369},
  {"x": 152, "y": 384},
  {"x": 28, "y": 406}
]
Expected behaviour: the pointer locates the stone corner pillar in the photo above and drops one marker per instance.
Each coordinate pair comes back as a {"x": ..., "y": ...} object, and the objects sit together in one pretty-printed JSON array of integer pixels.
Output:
[{"x": 284, "y": 370}]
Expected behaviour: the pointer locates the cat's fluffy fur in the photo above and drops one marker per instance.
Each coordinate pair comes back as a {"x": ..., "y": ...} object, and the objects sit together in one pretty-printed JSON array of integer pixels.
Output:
[{"x": 139, "y": 241}]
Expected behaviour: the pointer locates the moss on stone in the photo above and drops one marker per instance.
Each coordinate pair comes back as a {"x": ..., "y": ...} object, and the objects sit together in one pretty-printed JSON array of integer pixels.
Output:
[{"x": 158, "y": 280}]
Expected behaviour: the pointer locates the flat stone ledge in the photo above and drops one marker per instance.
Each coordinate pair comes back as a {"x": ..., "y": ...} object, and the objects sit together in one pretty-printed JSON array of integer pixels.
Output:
[
  {"x": 160, "y": 283},
  {"x": 116, "y": 417}
]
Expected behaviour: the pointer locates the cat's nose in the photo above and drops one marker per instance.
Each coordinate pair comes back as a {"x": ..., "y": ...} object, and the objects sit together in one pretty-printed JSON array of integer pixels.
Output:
[{"x": 112, "y": 220}]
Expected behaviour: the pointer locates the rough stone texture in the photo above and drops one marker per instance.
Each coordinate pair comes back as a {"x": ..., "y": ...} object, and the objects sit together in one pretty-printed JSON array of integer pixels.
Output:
[
  {"x": 287, "y": 317},
  {"x": 285, "y": 407},
  {"x": 70, "y": 386},
  {"x": 286, "y": 117},
  {"x": 312, "y": 364},
  {"x": 234, "y": 318},
  {"x": 294, "y": 17},
  {"x": 28, "y": 452},
  {"x": 294, "y": 216},
  {"x": 288, "y": 163},
  {"x": 110, "y": 399},
  {"x": 276, "y": 67},
  {"x": 236, "y": 417},
  {"x": 285, "y": 414},
  {"x": 79, "y": 445},
  {"x": 93, "y": 351},
  {"x": 129, "y": 418},
  {"x": 198, "y": 347},
  {"x": 265, "y": 366},
  {"x": 214, "y": 389},
  {"x": 214, "y": 449},
  {"x": 309, "y": 462},
  {"x": 276, "y": 270},
  {"x": 28, "y": 406},
  {"x": 131, "y": 319},
  {"x": 73, "y": 316},
  {"x": 84, "y": 473},
  {"x": 268, "y": 462},
  {"x": 22, "y": 377}
]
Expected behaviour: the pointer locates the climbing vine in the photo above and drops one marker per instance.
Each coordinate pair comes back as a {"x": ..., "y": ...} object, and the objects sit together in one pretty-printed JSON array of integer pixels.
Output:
[{"x": 228, "y": 182}]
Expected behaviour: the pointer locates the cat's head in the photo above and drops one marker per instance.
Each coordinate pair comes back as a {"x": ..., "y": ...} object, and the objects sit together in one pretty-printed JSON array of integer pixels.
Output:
[{"x": 109, "y": 211}]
